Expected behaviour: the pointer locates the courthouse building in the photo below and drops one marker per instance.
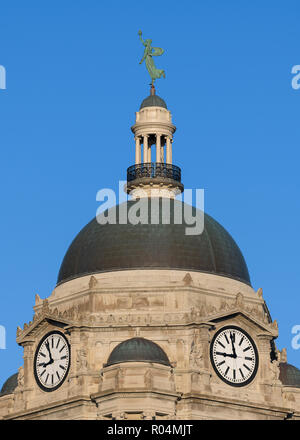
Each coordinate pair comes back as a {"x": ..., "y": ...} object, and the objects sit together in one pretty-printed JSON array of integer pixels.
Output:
[{"x": 149, "y": 321}]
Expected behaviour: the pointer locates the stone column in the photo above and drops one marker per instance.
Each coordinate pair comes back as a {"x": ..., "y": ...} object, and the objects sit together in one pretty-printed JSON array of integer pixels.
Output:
[
  {"x": 267, "y": 384},
  {"x": 28, "y": 362},
  {"x": 162, "y": 153},
  {"x": 74, "y": 342},
  {"x": 169, "y": 150},
  {"x": 158, "y": 147},
  {"x": 145, "y": 148},
  {"x": 137, "y": 150},
  {"x": 199, "y": 358},
  {"x": 264, "y": 348}
]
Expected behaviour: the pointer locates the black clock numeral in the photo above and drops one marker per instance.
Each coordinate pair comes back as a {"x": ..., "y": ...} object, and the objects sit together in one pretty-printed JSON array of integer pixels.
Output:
[
  {"x": 244, "y": 365},
  {"x": 62, "y": 348},
  {"x": 227, "y": 369},
  {"x": 234, "y": 374},
  {"x": 42, "y": 354},
  {"x": 241, "y": 341},
  {"x": 58, "y": 375},
  {"x": 227, "y": 340},
  {"x": 47, "y": 378},
  {"x": 248, "y": 358},
  {"x": 221, "y": 363},
  {"x": 247, "y": 348},
  {"x": 241, "y": 373},
  {"x": 58, "y": 343},
  {"x": 65, "y": 357},
  {"x": 43, "y": 372},
  {"x": 221, "y": 344},
  {"x": 61, "y": 366}
]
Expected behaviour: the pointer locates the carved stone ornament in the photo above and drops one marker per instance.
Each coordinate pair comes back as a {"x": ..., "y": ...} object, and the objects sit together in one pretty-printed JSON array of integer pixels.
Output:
[
  {"x": 119, "y": 378},
  {"x": 188, "y": 280},
  {"x": 148, "y": 379},
  {"x": 274, "y": 371},
  {"x": 289, "y": 397},
  {"x": 260, "y": 293},
  {"x": 283, "y": 355},
  {"x": 239, "y": 301},
  {"x": 196, "y": 355},
  {"x": 45, "y": 306},
  {"x": 93, "y": 282},
  {"x": 81, "y": 360},
  {"x": 21, "y": 378}
]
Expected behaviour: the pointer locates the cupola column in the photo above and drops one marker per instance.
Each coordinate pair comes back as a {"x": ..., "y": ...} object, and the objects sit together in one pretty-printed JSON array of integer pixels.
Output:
[
  {"x": 149, "y": 153},
  {"x": 137, "y": 150},
  {"x": 158, "y": 147},
  {"x": 169, "y": 150},
  {"x": 162, "y": 153},
  {"x": 145, "y": 148}
]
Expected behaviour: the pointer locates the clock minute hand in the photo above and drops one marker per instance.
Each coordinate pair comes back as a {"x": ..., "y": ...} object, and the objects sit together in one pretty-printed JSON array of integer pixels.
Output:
[{"x": 233, "y": 347}]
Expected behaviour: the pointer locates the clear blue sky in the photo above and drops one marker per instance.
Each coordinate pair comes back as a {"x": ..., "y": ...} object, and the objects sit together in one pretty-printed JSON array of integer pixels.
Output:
[{"x": 73, "y": 85}]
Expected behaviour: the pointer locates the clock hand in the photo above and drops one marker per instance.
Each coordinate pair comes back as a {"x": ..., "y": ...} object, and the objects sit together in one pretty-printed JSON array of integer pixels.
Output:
[
  {"x": 226, "y": 354},
  {"x": 48, "y": 348},
  {"x": 232, "y": 337},
  {"x": 45, "y": 364}
]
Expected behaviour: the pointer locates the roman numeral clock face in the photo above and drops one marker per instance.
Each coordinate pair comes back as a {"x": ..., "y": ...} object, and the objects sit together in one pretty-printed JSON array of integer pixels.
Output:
[
  {"x": 52, "y": 361},
  {"x": 234, "y": 356}
]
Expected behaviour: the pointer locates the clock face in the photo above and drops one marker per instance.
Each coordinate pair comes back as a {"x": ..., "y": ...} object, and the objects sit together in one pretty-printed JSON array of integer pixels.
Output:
[
  {"x": 52, "y": 361},
  {"x": 234, "y": 356}
]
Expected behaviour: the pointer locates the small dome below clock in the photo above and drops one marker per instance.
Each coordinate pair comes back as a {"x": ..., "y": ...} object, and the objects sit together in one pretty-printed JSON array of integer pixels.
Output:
[
  {"x": 289, "y": 375},
  {"x": 138, "y": 350},
  {"x": 9, "y": 385}
]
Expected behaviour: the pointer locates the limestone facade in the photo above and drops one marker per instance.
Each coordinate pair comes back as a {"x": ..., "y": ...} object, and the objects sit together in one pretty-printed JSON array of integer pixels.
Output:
[{"x": 180, "y": 311}]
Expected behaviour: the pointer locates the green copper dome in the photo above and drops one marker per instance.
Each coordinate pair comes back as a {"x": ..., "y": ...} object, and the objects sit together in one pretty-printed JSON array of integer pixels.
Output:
[
  {"x": 289, "y": 375},
  {"x": 138, "y": 350},
  {"x": 111, "y": 247},
  {"x": 9, "y": 385},
  {"x": 153, "y": 101}
]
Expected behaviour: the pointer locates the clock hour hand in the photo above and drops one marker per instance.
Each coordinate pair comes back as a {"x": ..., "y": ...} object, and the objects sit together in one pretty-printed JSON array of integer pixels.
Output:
[
  {"x": 51, "y": 359},
  {"x": 45, "y": 364},
  {"x": 226, "y": 354}
]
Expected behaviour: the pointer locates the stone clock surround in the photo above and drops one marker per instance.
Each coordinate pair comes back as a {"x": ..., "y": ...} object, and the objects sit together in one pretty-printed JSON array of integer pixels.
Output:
[{"x": 178, "y": 310}]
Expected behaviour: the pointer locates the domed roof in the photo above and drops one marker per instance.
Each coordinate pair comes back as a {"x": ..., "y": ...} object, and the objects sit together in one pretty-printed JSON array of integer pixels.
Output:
[
  {"x": 137, "y": 350},
  {"x": 289, "y": 375},
  {"x": 153, "y": 101},
  {"x": 9, "y": 385},
  {"x": 110, "y": 247}
]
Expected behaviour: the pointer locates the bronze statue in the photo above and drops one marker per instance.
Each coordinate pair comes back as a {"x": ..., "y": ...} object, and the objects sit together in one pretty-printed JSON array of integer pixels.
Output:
[{"x": 149, "y": 52}]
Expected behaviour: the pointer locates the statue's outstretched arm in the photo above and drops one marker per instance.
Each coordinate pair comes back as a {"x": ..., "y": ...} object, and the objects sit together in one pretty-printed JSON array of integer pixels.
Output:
[{"x": 140, "y": 35}]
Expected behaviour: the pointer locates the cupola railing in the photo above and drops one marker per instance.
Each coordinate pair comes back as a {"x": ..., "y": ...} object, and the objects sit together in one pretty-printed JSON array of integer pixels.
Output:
[{"x": 154, "y": 170}]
